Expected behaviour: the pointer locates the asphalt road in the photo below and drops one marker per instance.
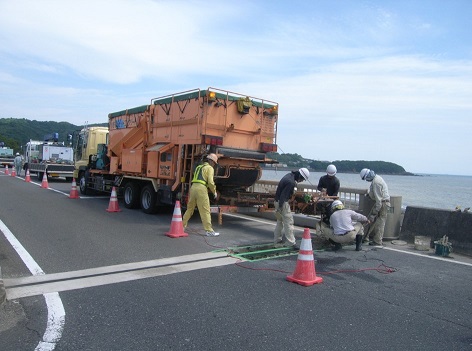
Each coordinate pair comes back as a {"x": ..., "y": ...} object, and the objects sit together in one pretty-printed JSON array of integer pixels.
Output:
[{"x": 115, "y": 281}]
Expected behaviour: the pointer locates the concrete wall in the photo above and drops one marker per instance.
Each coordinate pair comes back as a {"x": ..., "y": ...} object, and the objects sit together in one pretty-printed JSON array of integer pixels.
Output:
[
  {"x": 436, "y": 223},
  {"x": 394, "y": 216}
]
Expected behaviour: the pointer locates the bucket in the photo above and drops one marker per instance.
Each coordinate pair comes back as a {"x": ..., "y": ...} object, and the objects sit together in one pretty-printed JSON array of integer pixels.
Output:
[{"x": 422, "y": 243}]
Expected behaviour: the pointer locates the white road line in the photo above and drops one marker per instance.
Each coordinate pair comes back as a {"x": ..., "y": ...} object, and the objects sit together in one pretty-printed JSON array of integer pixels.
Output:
[
  {"x": 56, "y": 313},
  {"x": 427, "y": 256},
  {"x": 91, "y": 281},
  {"x": 63, "y": 193},
  {"x": 252, "y": 219},
  {"x": 384, "y": 248}
]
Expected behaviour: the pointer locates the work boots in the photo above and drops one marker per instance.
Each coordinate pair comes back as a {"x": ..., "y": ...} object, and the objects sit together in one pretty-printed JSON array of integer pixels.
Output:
[
  {"x": 358, "y": 242},
  {"x": 337, "y": 246}
]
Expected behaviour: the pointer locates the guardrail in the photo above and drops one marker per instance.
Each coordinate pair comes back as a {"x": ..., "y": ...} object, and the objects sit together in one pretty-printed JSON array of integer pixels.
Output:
[{"x": 352, "y": 198}]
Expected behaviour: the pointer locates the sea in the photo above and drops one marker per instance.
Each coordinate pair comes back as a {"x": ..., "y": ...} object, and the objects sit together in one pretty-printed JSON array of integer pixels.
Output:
[{"x": 424, "y": 190}]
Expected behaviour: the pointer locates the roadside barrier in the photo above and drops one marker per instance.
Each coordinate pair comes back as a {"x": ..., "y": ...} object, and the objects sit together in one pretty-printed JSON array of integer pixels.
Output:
[
  {"x": 44, "y": 183},
  {"x": 74, "y": 194},
  {"x": 28, "y": 176},
  {"x": 176, "y": 226},
  {"x": 305, "y": 273},
  {"x": 113, "y": 204}
]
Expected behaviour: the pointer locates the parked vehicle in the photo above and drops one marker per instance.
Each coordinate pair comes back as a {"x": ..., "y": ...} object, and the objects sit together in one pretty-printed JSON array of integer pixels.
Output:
[
  {"x": 153, "y": 149},
  {"x": 49, "y": 157},
  {"x": 85, "y": 144},
  {"x": 6, "y": 155}
]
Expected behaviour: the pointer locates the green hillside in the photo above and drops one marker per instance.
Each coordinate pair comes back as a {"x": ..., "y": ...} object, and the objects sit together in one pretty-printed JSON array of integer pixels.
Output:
[
  {"x": 343, "y": 166},
  {"x": 15, "y": 132}
]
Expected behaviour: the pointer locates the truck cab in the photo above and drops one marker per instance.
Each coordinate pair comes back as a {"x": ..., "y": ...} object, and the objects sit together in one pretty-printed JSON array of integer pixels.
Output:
[{"x": 87, "y": 143}]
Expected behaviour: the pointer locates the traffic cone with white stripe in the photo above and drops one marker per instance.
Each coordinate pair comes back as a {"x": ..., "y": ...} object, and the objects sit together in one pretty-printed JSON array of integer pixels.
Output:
[
  {"x": 44, "y": 183},
  {"x": 176, "y": 226},
  {"x": 74, "y": 194},
  {"x": 6, "y": 170},
  {"x": 305, "y": 273},
  {"x": 113, "y": 204},
  {"x": 13, "y": 172},
  {"x": 27, "y": 177}
]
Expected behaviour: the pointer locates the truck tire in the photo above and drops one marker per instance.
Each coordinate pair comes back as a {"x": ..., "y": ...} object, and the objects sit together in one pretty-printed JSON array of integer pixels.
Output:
[
  {"x": 40, "y": 176},
  {"x": 83, "y": 184},
  {"x": 131, "y": 193},
  {"x": 148, "y": 199}
]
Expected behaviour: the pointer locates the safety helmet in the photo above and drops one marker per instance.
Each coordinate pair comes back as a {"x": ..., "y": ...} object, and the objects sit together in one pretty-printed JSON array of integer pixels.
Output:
[
  {"x": 212, "y": 157},
  {"x": 331, "y": 170},
  {"x": 364, "y": 173},
  {"x": 337, "y": 205},
  {"x": 17, "y": 154},
  {"x": 305, "y": 173}
]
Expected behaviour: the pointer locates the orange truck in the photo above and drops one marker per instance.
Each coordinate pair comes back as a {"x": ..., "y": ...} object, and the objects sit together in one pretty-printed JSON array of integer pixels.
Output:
[{"x": 152, "y": 150}]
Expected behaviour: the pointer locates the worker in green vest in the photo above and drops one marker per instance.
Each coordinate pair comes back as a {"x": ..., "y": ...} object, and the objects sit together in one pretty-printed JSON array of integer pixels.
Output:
[{"x": 202, "y": 182}]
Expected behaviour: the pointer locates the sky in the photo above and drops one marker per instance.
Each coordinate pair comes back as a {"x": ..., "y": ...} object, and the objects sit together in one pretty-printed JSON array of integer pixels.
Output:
[{"x": 386, "y": 80}]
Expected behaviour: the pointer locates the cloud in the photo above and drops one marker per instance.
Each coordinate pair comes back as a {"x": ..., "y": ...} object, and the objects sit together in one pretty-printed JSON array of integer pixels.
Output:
[{"x": 384, "y": 80}]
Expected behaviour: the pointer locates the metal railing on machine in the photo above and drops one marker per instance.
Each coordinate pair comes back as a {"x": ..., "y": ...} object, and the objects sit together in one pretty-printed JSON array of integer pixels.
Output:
[{"x": 349, "y": 196}]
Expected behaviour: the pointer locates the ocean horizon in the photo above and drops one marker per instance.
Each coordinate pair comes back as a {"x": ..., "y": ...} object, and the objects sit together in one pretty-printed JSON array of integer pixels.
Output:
[{"x": 439, "y": 191}]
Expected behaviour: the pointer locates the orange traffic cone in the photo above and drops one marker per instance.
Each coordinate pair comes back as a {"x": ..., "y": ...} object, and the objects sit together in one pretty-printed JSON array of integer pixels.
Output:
[
  {"x": 13, "y": 172},
  {"x": 304, "y": 273},
  {"x": 44, "y": 183},
  {"x": 6, "y": 170},
  {"x": 74, "y": 194},
  {"x": 27, "y": 177},
  {"x": 113, "y": 205},
  {"x": 176, "y": 226}
]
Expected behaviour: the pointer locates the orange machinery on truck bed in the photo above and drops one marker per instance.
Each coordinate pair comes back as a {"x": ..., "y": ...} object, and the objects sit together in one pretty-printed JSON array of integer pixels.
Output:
[{"x": 153, "y": 149}]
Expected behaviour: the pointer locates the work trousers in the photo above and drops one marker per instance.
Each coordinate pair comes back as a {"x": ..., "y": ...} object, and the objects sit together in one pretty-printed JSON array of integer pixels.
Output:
[
  {"x": 284, "y": 224},
  {"x": 328, "y": 233},
  {"x": 199, "y": 198},
  {"x": 378, "y": 226}
]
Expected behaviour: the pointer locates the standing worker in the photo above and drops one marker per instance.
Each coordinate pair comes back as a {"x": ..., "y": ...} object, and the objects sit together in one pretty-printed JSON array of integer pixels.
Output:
[
  {"x": 329, "y": 183},
  {"x": 378, "y": 215},
  {"x": 283, "y": 214},
  {"x": 18, "y": 163},
  {"x": 202, "y": 182}
]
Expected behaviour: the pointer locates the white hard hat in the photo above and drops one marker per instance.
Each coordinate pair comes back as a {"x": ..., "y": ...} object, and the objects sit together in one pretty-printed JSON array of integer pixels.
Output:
[
  {"x": 17, "y": 154},
  {"x": 212, "y": 157},
  {"x": 364, "y": 173},
  {"x": 337, "y": 204},
  {"x": 305, "y": 173},
  {"x": 331, "y": 170}
]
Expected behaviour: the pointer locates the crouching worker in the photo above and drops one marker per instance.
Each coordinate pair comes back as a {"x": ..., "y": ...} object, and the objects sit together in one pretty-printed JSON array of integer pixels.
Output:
[{"x": 346, "y": 226}]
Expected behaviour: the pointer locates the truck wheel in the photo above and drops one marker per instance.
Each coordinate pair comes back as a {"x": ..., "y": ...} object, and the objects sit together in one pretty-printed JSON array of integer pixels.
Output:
[
  {"x": 40, "y": 176},
  {"x": 83, "y": 184},
  {"x": 68, "y": 179},
  {"x": 148, "y": 199},
  {"x": 131, "y": 195}
]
